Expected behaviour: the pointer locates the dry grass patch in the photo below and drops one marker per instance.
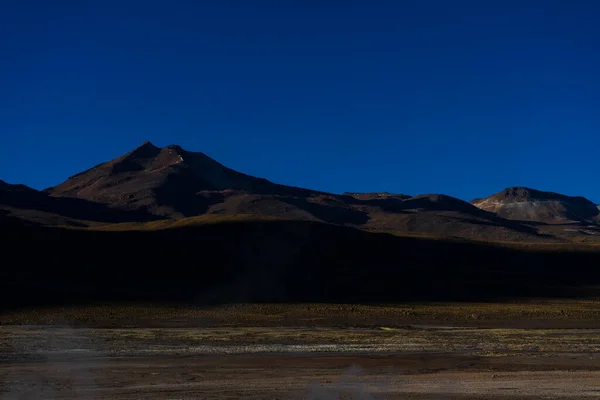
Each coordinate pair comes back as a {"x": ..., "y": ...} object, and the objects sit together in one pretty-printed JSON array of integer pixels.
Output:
[
  {"x": 185, "y": 222},
  {"x": 384, "y": 316}
]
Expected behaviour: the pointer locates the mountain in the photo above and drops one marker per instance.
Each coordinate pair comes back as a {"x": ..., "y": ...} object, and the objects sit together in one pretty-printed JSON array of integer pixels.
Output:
[
  {"x": 168, "y": 181},
  {"x": 525, "y": 204},
  {"x": 171, "y": 182}
]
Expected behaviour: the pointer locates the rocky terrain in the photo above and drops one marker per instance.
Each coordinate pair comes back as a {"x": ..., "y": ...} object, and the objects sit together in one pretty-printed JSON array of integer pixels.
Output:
[{"x": 524, "y": 204}]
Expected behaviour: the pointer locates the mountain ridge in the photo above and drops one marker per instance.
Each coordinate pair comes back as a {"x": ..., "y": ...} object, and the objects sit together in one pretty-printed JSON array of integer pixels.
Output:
[{"x": 173, "y": 183}]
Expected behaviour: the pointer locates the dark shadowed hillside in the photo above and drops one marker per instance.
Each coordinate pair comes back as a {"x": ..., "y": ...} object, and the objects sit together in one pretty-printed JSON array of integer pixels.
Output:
[
  {"x": 245, "y": 258},
  {"x": 31, "y": 205}
]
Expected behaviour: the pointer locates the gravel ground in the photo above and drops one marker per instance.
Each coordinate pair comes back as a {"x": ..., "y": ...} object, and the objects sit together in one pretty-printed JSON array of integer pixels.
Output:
[{"x": 50, "y": 362}]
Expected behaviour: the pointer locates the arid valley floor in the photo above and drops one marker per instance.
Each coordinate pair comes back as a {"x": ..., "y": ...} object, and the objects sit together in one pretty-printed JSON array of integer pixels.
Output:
[{"x": 510, "y": 350}]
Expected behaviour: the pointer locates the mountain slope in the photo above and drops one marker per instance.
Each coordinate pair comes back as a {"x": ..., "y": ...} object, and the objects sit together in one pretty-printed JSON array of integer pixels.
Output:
[
  {"x": 442, "y": 215},
  {"x": 25, "y": 203},
  {"x": 525, "y": 204}
]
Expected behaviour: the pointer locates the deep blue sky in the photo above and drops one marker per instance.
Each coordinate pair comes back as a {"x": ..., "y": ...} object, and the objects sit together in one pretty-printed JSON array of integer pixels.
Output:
[{"x": 411, "y": 96}]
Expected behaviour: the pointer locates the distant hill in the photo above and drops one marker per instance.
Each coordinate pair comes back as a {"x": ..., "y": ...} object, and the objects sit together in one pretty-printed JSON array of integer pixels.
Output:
[
  {"x": 442, "y": 215},
  {"x": 525, "y": 204}
]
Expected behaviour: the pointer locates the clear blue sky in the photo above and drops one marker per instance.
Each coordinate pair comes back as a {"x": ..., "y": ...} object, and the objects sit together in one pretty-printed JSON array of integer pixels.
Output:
[{"x": 411, "y": 96}]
